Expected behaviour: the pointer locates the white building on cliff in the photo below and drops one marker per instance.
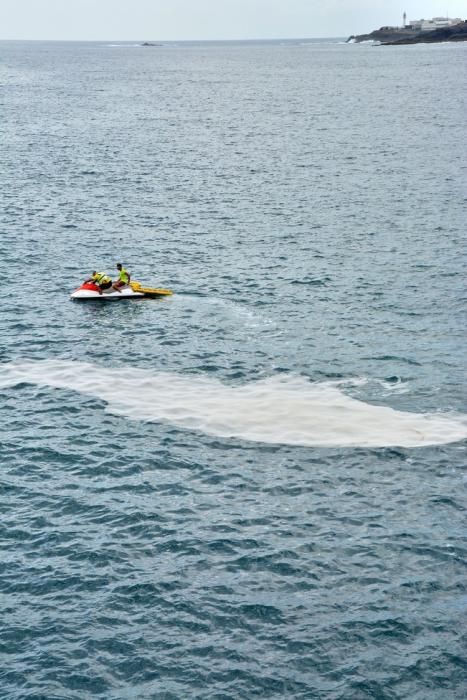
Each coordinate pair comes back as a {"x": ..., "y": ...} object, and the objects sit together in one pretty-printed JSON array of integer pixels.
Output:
[{"x": 427, "y": 25}]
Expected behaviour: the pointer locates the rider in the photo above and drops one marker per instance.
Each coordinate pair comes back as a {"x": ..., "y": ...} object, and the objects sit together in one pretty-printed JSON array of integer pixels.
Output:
[
  {"x": 101, "y": 280},
  {"x": 123, "y": 278}
]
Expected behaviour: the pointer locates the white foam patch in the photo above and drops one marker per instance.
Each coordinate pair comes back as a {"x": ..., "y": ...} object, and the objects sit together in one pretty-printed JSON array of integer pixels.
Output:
[{"x": 278, "y": 410}]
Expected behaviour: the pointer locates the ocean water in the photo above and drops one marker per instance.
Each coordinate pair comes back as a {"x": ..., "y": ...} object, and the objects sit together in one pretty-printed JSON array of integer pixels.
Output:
[{"x": 256, "y": 487}]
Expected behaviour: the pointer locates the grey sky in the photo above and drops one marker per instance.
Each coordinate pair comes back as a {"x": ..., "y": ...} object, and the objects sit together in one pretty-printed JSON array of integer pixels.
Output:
[{"x": 208, "y": 19}]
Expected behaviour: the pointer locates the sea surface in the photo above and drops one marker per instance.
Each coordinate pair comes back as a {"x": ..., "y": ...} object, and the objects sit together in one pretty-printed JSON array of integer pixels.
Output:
[{"x": 255, "y": 488}]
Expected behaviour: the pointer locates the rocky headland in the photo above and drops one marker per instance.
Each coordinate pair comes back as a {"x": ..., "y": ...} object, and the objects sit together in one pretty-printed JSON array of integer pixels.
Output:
[
  {"x": 393, "y": 36},
  {"x": 456, "y": 32}
]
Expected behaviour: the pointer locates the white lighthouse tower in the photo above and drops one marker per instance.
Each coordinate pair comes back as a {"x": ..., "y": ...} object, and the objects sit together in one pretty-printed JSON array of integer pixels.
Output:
[{"x": 404, "y": 19}]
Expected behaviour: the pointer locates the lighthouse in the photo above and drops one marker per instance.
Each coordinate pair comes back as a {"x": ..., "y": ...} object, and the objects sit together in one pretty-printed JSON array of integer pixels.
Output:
[{"x": 404, "y": 19}]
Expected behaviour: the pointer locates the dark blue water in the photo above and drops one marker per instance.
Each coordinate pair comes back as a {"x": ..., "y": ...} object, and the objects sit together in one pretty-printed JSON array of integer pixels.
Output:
[{"x": 254, "y": 488}]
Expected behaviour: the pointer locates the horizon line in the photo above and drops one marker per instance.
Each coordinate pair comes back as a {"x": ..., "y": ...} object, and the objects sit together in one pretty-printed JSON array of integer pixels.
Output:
[{"x": 178, "y": 41}]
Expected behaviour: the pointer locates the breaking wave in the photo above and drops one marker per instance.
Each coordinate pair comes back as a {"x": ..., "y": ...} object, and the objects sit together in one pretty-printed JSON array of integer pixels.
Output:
[{"x": 279, "y": 410}]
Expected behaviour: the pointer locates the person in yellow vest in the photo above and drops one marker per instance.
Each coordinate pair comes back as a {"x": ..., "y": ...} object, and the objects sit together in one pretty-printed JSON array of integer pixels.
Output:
[
  {"x": 101, "y": 280},
  {"x": 123, "y": 278}
]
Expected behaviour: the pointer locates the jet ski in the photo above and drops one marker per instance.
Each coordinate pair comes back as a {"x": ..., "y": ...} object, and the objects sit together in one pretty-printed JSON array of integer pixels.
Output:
[
  {"x": 89, "y": 290},
  {"x": 135, "y": 290}
]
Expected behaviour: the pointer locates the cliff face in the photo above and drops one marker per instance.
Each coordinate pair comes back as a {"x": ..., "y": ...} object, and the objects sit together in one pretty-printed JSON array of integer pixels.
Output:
[
  {"x": 404, "y": 35},
  {"x": 457, "y": 32}
]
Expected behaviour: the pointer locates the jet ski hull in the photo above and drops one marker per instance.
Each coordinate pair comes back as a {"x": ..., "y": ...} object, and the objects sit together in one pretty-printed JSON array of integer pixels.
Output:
[{"x": 89, "y": 292}]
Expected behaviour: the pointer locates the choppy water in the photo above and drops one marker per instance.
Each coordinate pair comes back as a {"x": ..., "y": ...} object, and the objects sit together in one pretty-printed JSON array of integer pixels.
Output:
[{"x": 255, "y": 488}]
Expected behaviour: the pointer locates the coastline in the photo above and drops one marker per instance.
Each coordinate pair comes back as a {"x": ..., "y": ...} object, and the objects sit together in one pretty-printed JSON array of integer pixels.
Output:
[{"x": 395, "y": 36}]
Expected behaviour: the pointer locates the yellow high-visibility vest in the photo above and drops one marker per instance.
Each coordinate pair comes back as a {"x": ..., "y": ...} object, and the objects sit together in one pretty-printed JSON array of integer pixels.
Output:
[{"x": 101, "y": 278}]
